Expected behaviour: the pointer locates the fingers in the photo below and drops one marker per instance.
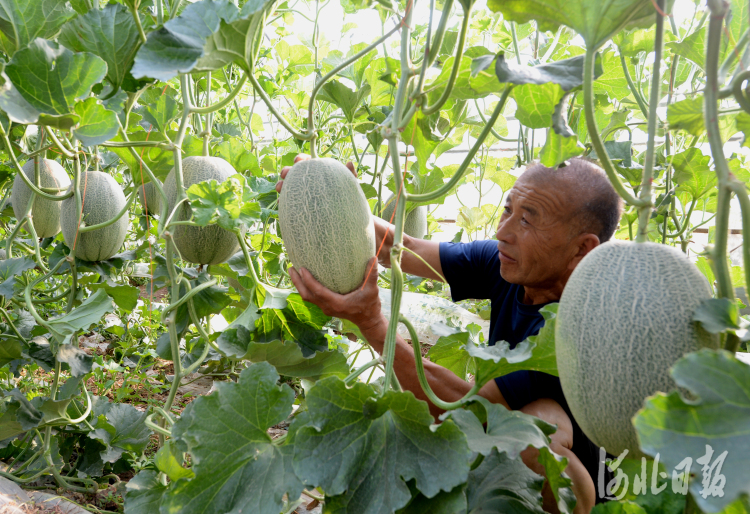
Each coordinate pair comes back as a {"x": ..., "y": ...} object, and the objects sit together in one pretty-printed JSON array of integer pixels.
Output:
[
  {"x": 299, "y": 283},
  {"x": 350, "y": 165},
  {"x": 285, "y": 170}
]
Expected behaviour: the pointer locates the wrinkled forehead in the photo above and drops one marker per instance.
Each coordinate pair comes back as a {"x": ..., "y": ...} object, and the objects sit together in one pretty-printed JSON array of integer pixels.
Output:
[{"x": 545, "y": 193}]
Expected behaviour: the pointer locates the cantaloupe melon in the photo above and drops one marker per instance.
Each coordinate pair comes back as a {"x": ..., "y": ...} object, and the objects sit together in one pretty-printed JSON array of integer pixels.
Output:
[
  {"x": 150, "y": 198},
  {"x": 625, "y": 316},
  {"x": 326, "y": 223},
  {"x": 200, "y": 245},
  {"x": 46, "y": 213},
  {"x": 103, "y": 199},
  {"x": 415, "y": 223}
]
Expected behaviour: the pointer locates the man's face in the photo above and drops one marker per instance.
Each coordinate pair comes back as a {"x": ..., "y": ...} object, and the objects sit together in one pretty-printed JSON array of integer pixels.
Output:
[{"x": 534, "y": 233}]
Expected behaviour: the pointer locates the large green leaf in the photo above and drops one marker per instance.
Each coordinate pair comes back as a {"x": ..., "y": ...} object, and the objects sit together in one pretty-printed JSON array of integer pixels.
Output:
[
  {"x": 207, "y": 35},
  {"x": 594, "y": 20},
  {"x": 230, "y": 205},
  {"x": 504, "y": 484},
  {"x": 535, "y": 353},
  {"x": 343, "y": 97},
  {"x": 178, "y": 45},
  {"x": 9, "y": 270},
  {"x": 89, "y": 312},
  {"x": 612, "y": 81},
  {"x": 361, "y": 448},
  {"x": 692, "y": 173},
  {"x": 497, "y": 427},
  {"x": 567, "y": 73},
  {"x": 110, "y": 33},
  {"x": 22, "y": 21},
  {"x": 536, "y": 103},
  {"x": 10, "y": 350},
  {"x": 96, "y": 124},
  {"x": 46, "y": 78},
  {"x": 712, "y": 429},
  {"x": 687, "y": 115},
  {"x": 557, "y": 149},
  {"x": 236, "y": 466}
]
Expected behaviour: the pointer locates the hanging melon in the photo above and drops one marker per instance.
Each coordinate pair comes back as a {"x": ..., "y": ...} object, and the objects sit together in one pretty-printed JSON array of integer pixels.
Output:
[
  {"x": 102, "y": 200},
  {"x": 326, "y": 223},
  {"x": 415, "y": 223},
  {"x": 150, "y": 198},
  {"x": 625, "y": 316},
  {"x": 45, "y": 215},
  {"x": 200, "y": 245}
]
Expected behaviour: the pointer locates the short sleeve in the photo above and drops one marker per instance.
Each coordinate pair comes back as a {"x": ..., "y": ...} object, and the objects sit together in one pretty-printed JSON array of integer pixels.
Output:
[{"x": 469, "y": 268}]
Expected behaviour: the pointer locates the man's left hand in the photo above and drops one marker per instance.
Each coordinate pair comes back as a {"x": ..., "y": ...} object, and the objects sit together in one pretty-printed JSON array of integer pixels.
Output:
[{"x": 361, "y": 306}]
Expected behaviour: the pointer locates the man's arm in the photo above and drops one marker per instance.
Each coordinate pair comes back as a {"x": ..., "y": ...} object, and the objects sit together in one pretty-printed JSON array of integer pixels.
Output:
[
  {"x": 427, "y": 250},
  {"x": 362, "y": 307}
]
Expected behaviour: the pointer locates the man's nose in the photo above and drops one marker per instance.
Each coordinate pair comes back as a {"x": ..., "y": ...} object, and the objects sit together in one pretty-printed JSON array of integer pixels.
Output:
[{"x": 505, "y": 231}]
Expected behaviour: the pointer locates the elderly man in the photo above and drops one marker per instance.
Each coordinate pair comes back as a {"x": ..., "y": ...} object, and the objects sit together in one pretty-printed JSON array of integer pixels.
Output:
[{"x": 551, "y": 219}]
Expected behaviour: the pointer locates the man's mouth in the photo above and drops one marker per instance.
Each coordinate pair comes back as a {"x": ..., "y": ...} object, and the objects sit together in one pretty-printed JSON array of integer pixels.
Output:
[{"x": 504, "y": 257}]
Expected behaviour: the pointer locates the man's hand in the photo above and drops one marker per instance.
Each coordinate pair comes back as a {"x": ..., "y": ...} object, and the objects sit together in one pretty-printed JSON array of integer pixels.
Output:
[
  {"x": 361, "y": 306},
  {"x": 305, "y": 157}
]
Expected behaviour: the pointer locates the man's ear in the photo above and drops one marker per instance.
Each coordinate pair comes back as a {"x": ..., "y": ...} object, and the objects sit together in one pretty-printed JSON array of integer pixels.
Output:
[{"x": 585, "y": 243}]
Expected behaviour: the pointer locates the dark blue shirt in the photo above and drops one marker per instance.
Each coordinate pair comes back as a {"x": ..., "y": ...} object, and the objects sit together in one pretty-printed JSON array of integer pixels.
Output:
[{"x": 473, "y": 271}]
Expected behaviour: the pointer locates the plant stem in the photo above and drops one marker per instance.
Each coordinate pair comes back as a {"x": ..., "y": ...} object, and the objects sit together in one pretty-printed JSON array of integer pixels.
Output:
[
  {"x": 437, "y": 41},
  {"x": 514, "y": 36},
  {"x": 123, "y": 211},
  {"x": 711, "y": 115},
  {"x": 634, "y": 90},
  {"x": 644, "y": 211},
  {"x": 224, "y": 102},
  {"x": 284, "y": 122},
  {"x": 440, "y": 404},
  {"x": 593, "y": 130},
  {"x": 427, "y": 197},
  {"x": 431, "y": 109}
]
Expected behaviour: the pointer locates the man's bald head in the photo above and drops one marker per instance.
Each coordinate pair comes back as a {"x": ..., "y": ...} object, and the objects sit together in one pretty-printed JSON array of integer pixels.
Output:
[{"x": 596, "y": 207}]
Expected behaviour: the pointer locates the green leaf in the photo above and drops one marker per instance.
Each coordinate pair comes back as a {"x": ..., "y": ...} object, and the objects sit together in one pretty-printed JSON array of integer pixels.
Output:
[
  {"x": 79, "y": 361},
  {"x": 535, "y": 353},
  {"x": 9, "y": 270},
  {"x": 340, "y": 95},
  {"x": 288, "y": 360},
  {"x": 230, "y": 205},
  {"x": 361, "y": 448},
  {"x": 206, "y": 36},
  {"x": 721, "y": 315},
  {"x": 631, "y": 43},
  {"x": 10, "y": 350},
  {"x": 558, "y": 149},
  {"x": 161, "y": 113},
  {"x": 96, "y": 124},
  {"x": 178, "y": 45},
  {"x": 125, "y": 296},
  {"x": 239, "y": 154},
  {"x": 596, "y": 22},
  {"x": 144, "y": 493},
  {"x": 453, "y": 502},
  {"x": 21, "y": 22},
  {"x": 536, "y": 103},
  {"x": 236, "y": 466},
  {"x": 503, "y": 484},
  {"x": 169, "y": 462},
  {"x": 48, "y": 79},
  {"x": 687, "y": 115},
  {"x": 89, "y": 312},
  {"x": 567, "y": 73},
  {"x": 121, "y": 427},
  {"x": 449, "y": 352},
  {"x": 110, "y": 33},
  {"x": 612, "y": 81},
  {"x": 712, "y": 428},
  {"x": 692, "y": 47},
  {"x": 692, "y": 173},
  {"x": 498, "y": 428}
]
